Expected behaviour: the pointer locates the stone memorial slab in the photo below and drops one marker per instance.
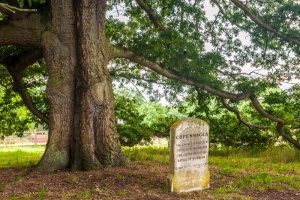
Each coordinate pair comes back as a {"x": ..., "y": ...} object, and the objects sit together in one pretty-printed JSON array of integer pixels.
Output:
[{"x": 189, "y": 145}]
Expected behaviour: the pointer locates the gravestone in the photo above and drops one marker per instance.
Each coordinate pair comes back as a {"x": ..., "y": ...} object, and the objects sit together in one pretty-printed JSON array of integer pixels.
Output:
[{"x": 189, "y": 144}]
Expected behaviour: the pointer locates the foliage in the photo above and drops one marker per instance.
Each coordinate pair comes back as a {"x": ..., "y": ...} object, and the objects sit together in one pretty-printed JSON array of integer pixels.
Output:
[
  {"x": 14, "y": 122},
  {"x": 15, "y": 117},
  {"x": 227, "y": 130},
  {"x": 159, "y": 118},
  {"x": 128, "y": 119},
  {"x": 184, "y": 28},
  {"x": 285, "y": 104},
  {"x": 30, "y": 2},
  {"x": 216, "y": 51},
  {"x": 138, "y": 120},
  {"x": 143, "y": 120}
]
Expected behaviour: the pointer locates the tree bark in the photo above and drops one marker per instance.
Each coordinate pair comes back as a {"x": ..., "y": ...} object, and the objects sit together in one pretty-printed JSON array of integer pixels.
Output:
[
  {"x": 60, "y": 55},
  {"x": 82, "y": 132},
  {"x": 96, "y": 140}
]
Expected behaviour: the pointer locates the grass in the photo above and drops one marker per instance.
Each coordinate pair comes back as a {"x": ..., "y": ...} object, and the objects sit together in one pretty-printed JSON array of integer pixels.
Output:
[
  {"x": 71, "y": 179},
  {"x": 277, "y": 168},
  {"x": 256, "y": 169},
  {"x": 84, "y": 195},
  {"x": 148, "y": 153},
  {"x": 26, "y": 148},
  {"x": 273, "y": 160},
  {"x": 20, "y": 156},
  {"x": 41, "y": 194}
]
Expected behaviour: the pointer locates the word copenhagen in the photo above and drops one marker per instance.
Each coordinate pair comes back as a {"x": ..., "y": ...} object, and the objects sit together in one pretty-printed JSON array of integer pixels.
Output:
[{"x": 187, "y": 136}]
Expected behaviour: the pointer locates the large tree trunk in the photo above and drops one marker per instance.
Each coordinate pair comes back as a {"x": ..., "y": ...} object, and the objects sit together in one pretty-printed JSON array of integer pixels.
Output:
[
  {"x": 60, "y": 55},
  {"x": 96, "y": 140},
  {"x": 82, "y": 131}
]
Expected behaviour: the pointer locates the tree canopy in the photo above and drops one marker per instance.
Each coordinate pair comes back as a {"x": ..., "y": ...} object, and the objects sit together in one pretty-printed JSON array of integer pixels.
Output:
[{"x": 172, "y": 39}]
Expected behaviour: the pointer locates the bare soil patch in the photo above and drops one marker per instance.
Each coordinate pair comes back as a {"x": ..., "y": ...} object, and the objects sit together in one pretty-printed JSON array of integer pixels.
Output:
[{"x": 134, "y": 181}]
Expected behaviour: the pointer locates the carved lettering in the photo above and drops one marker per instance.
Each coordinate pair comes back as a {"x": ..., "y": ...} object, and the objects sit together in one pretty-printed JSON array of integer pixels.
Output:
[{"x": 189, "y": 154}]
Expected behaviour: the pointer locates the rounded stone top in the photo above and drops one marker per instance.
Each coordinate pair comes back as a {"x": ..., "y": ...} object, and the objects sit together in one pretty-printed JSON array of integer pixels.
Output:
[{"x": 189, "y": 120}]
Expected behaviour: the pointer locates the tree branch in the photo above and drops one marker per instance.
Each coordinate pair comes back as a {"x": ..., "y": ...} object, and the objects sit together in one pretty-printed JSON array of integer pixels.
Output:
[
  {"x": 115, "y": 52},
  {"x": 211, "y": 121},
  {"x": 138, "y": 90},
  {"x": 9, "y": 10},
  {"x": 239, "y": 117},
  {"x": 139, "y": 78},
  {"x": 15, "y": 65},
  {"x": 21, "y": 28},
  {"x": 19, "y": 63},
  {"x": 120, "y": 53},
  {"x": 263, "y": 24},
  {"x": 151, "y": 15},
  {"x": 280, "y": 122},
  {"x": 21, "y": 89},
  {"x": 12, "y": 35},
  {"x": 228, "y": 18}
]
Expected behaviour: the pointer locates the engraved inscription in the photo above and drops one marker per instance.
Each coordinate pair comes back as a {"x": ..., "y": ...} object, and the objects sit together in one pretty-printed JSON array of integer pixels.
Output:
[{"x": 189, "y": 141}]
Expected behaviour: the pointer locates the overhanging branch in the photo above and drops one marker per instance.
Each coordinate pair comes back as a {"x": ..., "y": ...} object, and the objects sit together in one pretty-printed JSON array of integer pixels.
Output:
[
  {"x": 19, "y": 63},
  {"x": 227, "y": 17},
  {"x": 115, "y": 52},
  {"x": 12, "y": 35},
  {"x": 22, "y": 27},
  {"x": 15, "y": 66},
  {"x": 263, "y": 24},
  {"x": 151, "y": 15},
  {"x": 280, "y": 122},
  {"x": 21, "y": 89},
  {"x": 205, "y": 109},
  {"x": 239, "y": 117},
  {"x": 9, "y": 10}
]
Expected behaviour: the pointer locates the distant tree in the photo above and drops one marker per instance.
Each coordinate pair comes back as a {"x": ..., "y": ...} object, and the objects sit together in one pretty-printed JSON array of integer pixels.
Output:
[
  {"x": 128, "y": 119},
  {"x": 235, "y": 126},
  {"x": 139, "y": 120},
  {"x": 15, "y": 117},
  {"x": 14, "y": 121}
]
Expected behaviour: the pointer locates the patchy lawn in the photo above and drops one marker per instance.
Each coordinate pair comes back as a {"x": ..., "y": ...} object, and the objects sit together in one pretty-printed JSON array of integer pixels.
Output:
[
  {"x": 135, "y": 181},
  {"x": 272, "y": 174}
]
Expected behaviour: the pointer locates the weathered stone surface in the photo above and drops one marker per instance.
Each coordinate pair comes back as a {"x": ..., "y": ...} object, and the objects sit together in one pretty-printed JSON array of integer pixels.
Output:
[{"x": 189, "y": 145}]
